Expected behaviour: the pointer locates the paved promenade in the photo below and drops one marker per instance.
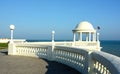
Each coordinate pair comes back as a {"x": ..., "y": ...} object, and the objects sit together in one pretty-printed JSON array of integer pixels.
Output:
[{"x": 28, "y": 65}]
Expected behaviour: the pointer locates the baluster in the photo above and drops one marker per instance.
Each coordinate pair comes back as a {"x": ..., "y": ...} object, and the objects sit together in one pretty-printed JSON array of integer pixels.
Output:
[
  {"x": 96, "y": 66},
  {"x": 68, "y": 57},
  {"x": 63, "y": 56},
  {"x": 102, "y": 69},
  {"x": 107, "y": 72},
  {"x": 99, "y": 67},
  {"x": 60, "y": 54},
  {"x": 75, "y": 58}
]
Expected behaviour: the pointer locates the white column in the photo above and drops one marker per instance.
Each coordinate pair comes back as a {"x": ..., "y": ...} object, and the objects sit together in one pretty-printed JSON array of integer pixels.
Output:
[
  {"x": 11, "y": 35},
  {"x": 98, "y": 36},
  {"x": 11, "y": 49},
  {"x": 11, "y": 45},
  {"x": 89, "y": 36},
  {"x": 53, "y": 32},
  {"x": 12, "y": 28},
  {"x": 74, "y": 37},
  {"x": 53, "y": 40},
  {"x": 94, "y": 36},
  {"x": 80, "y": 36}
]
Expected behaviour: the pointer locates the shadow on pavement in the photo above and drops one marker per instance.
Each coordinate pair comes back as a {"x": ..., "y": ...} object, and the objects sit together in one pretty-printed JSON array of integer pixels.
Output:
[
  {"x": 59, "y": 68},
  {"x": 27, "y": 65},
  {"x": 4, "y": 51}
]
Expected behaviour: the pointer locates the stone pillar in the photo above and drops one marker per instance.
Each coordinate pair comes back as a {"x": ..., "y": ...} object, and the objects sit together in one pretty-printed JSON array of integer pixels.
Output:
[
  {"x": 11, "y": 40},
  {"x": 89, "y": 36},
  {"x": 98, "y": 36},
  {"x": 74, "y": 37},
  {"x": 53, "y": 38},
  {"x": 11, "y": 49},
  {"x": 90, "y": 64},
  {"x": 50, "y": 53},
  {"x": 80, "y": 36},
  {"x": 94, "y": 36},
  {"x": 12, "y": 27},
  {"x": 11, "y": 45}
]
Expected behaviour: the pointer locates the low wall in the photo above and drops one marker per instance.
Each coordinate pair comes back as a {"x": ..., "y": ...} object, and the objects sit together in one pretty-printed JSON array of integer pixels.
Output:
[
  {"x": 104, "y": 63},
  {"x": 86, "y": 62},
  {"x": 74, "y": 57}
]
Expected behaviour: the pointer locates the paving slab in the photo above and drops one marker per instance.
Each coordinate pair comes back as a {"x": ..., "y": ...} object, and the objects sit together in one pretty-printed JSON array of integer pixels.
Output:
[{"x": 30, "y": 65}]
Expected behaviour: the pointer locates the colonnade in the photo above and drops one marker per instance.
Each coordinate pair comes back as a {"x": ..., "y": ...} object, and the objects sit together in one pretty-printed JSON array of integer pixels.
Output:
[{"x": 90, "y": 36}]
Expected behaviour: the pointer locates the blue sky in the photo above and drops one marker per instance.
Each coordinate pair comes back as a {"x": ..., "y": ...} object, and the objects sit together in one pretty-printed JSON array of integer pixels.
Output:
[{"x": 35, "y": 19}]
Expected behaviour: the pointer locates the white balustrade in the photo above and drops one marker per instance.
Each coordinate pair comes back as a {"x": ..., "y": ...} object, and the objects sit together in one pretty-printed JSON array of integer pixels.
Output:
[
  {"x": 73, "y": 57},
  {"x": 96, "y": 62},
  {"x": 31, "y": 50},
  {"x": 105, "y": 63}
]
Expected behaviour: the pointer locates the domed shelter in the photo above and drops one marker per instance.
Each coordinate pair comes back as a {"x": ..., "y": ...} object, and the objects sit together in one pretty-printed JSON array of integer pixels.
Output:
[{"x": 84, "y": 27}]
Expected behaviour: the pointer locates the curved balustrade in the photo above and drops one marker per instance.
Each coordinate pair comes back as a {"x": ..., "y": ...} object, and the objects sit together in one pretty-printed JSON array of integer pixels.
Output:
[
  {"x": 73, "y": 57},
  {"x": 105, "y": 63},
  {"x": 81, "y": 59}
]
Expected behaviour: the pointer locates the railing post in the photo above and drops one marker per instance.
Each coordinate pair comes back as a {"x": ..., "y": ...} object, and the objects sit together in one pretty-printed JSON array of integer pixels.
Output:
[
  {"x": 11, "y": 49},
  {"x": 50, "y": 53},
  {"x": 98, "y": 46},
  {"x": 11, "y": 45},
  {"x": 91, "y": 64}
]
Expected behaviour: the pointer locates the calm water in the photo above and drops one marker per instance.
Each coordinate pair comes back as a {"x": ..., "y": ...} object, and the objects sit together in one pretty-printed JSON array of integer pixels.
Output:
[{"x": 112, "y": 47}]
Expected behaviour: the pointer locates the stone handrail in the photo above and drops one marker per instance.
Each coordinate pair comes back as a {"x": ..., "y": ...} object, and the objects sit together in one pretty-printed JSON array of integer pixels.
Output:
[
  {"x": 68, "y": 43},
  {"x": 50, "y": 43},
  {"x": 104, "y": 63},
  {"x": 81, "y": 59}
]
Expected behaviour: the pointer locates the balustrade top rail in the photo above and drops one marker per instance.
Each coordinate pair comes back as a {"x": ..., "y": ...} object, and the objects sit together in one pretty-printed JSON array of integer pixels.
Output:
[
  {"x": 66, "y": 43},
  {"x": 111, "y": 62},
  {"x": 72, "y": 49},
  {"x": 31, "y": 45}
]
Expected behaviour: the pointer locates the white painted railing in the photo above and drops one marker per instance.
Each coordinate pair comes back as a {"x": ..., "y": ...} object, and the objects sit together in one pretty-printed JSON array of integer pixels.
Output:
[
  {"x": 34, "y": 51},
  {"x": 104, "y": 63},
  {"x": 92, "y": 44},
  {"x": 74, "y": 57},
  {"x": 83, "y": 60}
]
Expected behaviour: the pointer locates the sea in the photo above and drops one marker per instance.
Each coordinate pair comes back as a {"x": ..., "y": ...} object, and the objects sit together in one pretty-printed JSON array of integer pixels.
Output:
[{"x": 109, "y": 46}]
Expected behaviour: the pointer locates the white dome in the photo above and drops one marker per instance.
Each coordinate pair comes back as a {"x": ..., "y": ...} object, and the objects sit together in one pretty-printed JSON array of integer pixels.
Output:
[{"x": 84, "y": 26}]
